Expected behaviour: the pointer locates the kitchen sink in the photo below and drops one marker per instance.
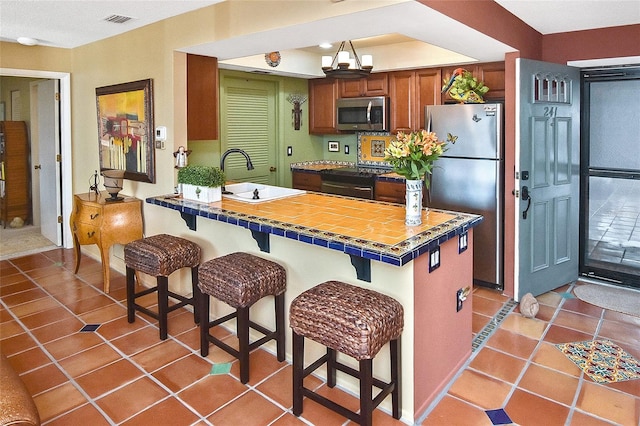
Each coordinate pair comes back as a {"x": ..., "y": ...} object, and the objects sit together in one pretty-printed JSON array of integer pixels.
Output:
[{"x": 247, "y": 192}]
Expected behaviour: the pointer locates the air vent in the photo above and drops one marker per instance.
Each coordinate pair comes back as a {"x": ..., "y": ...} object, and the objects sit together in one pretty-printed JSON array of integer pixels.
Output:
[{"x": 118, "y": 19}]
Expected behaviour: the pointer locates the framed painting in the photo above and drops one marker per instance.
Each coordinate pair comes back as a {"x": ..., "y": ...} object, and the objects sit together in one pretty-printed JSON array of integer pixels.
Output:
[{"x": 125, "y": 129}]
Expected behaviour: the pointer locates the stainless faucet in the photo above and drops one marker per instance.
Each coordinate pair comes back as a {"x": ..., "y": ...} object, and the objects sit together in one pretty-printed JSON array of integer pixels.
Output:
[{"x": 224, "y": 157}]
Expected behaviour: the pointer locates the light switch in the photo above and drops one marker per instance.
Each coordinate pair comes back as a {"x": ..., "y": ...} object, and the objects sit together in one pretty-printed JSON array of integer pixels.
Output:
[
  {"x": 463, "y": 242},
  {"x": 434, "y": 259}
]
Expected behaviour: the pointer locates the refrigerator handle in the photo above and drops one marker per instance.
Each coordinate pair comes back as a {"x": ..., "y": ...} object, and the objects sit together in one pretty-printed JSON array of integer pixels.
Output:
[{"x": 429, "y": 123}]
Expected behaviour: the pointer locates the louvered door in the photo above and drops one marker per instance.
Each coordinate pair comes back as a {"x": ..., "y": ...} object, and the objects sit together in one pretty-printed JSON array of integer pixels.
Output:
[{"x": 249, "y": 123}]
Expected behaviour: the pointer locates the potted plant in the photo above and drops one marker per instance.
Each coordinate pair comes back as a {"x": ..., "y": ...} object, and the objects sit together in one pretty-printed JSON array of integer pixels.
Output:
[
  {"x": 464, "y": 87},
  {"x": 201, "y": 183}
]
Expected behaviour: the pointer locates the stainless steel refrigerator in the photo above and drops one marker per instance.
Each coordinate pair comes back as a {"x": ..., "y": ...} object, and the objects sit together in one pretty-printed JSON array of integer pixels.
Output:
[{"x": 469, "y": 177}]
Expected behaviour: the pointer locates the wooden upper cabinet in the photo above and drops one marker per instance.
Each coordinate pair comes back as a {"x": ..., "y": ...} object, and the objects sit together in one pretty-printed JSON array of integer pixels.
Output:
[
  {"x": 323, "y": 93},
  {"x": 402, "y": 93},
  {"x": 202, "y": 97},
  {"x": 374, "y": 85},
  {"x": 428, "y": 89}
]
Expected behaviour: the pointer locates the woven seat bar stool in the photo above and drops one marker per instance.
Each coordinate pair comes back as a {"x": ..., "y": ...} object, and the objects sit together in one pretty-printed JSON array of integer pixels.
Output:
[
  {"x": 356, "y": 322},
  {"x": 160, "y": 256},
  {"x": 240, "y": 280}
]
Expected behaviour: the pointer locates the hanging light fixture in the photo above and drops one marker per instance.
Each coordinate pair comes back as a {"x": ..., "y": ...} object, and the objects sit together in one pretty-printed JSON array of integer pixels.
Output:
[{"x": 343, "y": 66}]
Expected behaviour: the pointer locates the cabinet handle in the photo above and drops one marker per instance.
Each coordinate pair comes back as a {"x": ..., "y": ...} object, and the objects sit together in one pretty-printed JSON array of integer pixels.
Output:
[
  {"x": 93, "y": 216},
  {"x": 91, "y": 234}
]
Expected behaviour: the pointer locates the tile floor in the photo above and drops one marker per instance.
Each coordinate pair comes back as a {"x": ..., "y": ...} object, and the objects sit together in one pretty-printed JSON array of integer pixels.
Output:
[{"x": 123, "y": 374}]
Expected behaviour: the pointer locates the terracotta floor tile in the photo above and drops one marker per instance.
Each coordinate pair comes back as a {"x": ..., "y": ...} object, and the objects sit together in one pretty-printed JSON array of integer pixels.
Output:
[
  {"x": 478, "y": 322},
  {"x": 525, "y": 408},
  {"x": 546, "y": 313},
  {"x": 91, "y": 359},
  {"x": 57, "y": 330},
  {"x": 168, "y": 411},
  {"x": 577, "y": 305},
  {"x": 550, "y": 298},
  {"x": 28, "y": 360},
  {"x": 261, "y": 365},
  {"x": 160, "y": 355},
  {"x": 47, "y": 317},
  {"x": 183, "y": 372},
  {"x": 58, "y": 400},
  {"x": 609, "y": 404},
  {"x": 72, "y": 344},
  {"x": 480, "y": 390},
  {"x": 550, "y": 384},
  {"x": 485, "y": 306},
  {"x": 131, "y": 399},
  {"x": 32, "y": 261},
  {"x": 85, "y": 415},
  {"x": 105, "y": 314},
  {"x": 180, "y": 323},
  {"x": 77, "y": 293},
  {"x": 119, "y": 327},
  {"x": 278, "y": 387},
  {"x": 16, "y": 287},
  {"x": 35, "y": 306},
  {"x": 512, "y": 343},
  {"x": 549, "y": 356},
  {"x": 452, "y": 411},
  {"x": 111, "y": 376},
  {"x": 497, "y": 364},
  {"x": 262, "y": 412},
  {"x": 137, "y": 341},
  {"x": 582, "y": 419},
  {"x": 576, "y": 321},
  {"x": 89, "y": 304},
  {"x": 621, "y": 332},
  {"x": 16, "y": 343},
  {"x": 190, "y": 338},
  {"x": 557, "y": 334},
  {"x": 15, "y": 299},
  {"x": 619, "y": 317},
  {"x": 43, "y": 378},
  {"x": 10, "y": 328},
  {"x": 318, "y": 414},
  {"x": 288, "y": 419},
  {"x": 211, "y": 393},
  {"x": 488, "y": 293},
  {"x": 529, "y": 327}
]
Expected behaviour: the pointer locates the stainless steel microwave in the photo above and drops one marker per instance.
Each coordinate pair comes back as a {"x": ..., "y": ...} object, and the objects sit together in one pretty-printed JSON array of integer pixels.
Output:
[{"x": 367, "y": 113}]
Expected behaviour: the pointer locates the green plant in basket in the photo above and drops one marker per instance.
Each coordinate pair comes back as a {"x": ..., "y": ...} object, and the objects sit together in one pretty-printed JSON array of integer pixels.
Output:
[
  {"x": 198, "y": 175},
  {"x": 464, "y": 87}
]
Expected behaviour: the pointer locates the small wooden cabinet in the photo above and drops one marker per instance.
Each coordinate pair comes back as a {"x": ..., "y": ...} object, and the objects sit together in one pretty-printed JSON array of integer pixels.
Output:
[
  {"x": 202, "y": 97},
  {"x": 305, "y": 180},
  {"x": 390, "y": 191},
  {"x": 323, "y": 93},
  {"x": 374, "y": 85},
  {"x": 15, "y": 176},
  {"x": 410, "y": 92},
  {"x": 105, "y": 223}
]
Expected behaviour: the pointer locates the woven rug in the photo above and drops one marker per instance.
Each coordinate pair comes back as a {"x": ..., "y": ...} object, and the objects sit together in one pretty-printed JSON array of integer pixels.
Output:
[
  {"x": 21, "y": 241},
  {"x": 617, "y": 299},
  {"x": 602, "y": 360}
]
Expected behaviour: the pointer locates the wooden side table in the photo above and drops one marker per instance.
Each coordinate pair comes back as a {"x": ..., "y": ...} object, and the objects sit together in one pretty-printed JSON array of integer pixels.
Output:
[{"x": 105, "y": 223}]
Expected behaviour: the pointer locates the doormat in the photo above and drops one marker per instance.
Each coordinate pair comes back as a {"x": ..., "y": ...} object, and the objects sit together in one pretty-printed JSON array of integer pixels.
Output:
[
  {"x": 617, "y": 299},
  {"x": 602, "y": 360}
]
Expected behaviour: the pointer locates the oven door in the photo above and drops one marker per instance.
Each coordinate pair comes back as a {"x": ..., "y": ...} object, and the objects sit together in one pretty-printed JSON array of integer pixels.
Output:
[{"x": 348, "y": 189}]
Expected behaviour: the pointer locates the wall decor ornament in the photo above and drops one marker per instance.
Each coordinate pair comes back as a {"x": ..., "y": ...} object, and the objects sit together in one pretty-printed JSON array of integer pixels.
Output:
[
  {"x": 296, "y": 99},
  {"x": 125, "y": 129}
]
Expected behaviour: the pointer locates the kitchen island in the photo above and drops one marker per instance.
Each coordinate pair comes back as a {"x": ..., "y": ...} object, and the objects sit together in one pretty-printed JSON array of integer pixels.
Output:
[{"x": 319, "y": 237}]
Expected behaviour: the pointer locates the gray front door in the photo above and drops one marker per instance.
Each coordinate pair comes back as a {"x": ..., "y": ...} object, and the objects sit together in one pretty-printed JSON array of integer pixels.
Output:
[{"x": 547, "y": 172}]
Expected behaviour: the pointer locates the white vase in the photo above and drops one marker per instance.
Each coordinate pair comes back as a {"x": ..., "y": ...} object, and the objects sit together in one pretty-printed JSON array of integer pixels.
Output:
[
  {"x": 413, "y": 202},
  {"x": 204, "y": 194}
]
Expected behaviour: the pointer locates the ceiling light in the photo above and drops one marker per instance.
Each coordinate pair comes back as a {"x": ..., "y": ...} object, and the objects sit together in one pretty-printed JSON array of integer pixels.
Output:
[
  {"x": 325, "y": 45},
  {"x": 344, "y": 66},
  {"x": 27, "y": 41}
]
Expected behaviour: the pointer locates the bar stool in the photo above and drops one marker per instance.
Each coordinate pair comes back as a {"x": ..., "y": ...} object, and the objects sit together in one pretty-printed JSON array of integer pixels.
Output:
[
  {"x": 240, "y": 280},
  {"x": 356, "y": 322},
  {"x": 159, "y": 256}
]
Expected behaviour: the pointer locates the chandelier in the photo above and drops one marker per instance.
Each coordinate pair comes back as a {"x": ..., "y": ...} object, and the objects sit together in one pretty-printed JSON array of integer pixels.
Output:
[{"x": 343, "y": 66}]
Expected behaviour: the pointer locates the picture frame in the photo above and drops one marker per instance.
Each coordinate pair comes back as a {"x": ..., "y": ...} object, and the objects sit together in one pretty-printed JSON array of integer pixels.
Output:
[
  {"x": 334, "y": 146},
  {"x": 125, "y": 129}
]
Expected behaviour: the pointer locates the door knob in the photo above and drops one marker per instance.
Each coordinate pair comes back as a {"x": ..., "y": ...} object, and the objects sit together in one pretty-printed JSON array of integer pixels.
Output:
[{"x": 272, "y": 169}]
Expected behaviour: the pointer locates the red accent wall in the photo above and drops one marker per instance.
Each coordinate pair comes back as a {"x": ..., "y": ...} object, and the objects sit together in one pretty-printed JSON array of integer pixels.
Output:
[{"x": 599, "y": 43}]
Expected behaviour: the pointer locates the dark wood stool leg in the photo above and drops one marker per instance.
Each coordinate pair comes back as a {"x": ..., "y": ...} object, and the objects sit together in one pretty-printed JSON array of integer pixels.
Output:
[
  {"x": 280, "y": 336},
  {"x": 195, "y": 294},
  {"x": 203, "y": 309},
  {"x": 163, "y": 304},
  {"x": 242, "y": 329},
  {"x": 331, "y": 367},
  {"x": 366, "y": 398},
  {"x": 298, "y": 371},
  {"x": 396, "y": 400},
  {"x": 131, "y": 297}
]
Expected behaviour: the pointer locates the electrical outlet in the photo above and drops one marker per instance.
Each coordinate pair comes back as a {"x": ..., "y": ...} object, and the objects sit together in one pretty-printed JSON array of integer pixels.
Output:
[
  {"x": 434, "y": 259},
  {"x": 463, "y": 242},
  {"x": 289, "y": 151},
  {"x": 159, "y": 144},
  {"x": 346, "y": 149}
]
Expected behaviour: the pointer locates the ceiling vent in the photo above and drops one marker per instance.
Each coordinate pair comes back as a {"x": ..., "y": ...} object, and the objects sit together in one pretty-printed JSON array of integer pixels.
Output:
[{"x": 118, "y": 19}]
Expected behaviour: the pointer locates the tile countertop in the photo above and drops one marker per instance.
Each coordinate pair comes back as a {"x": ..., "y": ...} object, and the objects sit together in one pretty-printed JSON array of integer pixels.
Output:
[
  {"x": 335, "y": 222},
  {"x": 319, "y": 165}
]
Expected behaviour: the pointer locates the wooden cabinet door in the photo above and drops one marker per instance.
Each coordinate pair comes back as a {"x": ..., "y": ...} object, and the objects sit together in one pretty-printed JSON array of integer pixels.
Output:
[
  {"x": 392, "y": 192},
  {"x": 202, "y": 97},
  {"x": 428, "y": 90},
  {"x": 306, "y": 181},
  {"x": 323, "y": 93},
  {"x": 492, "y": 74},
  {"x": 351, "y": 88},
  {"x": 374, "y": 85},
  {"x": 402, "y": 93}
]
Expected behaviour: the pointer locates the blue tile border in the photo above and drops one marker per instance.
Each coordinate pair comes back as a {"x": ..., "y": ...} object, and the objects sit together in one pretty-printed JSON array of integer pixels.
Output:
[{"x": 397, "y": 255}]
